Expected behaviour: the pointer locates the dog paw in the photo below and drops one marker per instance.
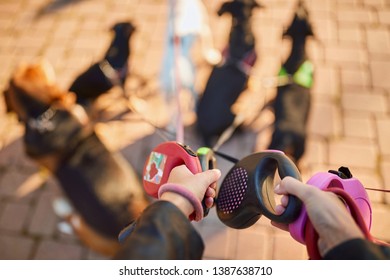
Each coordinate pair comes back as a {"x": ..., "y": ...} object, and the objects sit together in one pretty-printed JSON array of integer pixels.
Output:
[
  {"x": 62, "y": 208},
  {"x": 65, "y": 227}
]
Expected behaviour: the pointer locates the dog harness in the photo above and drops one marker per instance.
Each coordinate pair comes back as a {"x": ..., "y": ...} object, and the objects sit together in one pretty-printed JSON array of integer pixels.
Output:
[
  {"x": 303, "y": 76},
  {"x": 244, "y": 64}
]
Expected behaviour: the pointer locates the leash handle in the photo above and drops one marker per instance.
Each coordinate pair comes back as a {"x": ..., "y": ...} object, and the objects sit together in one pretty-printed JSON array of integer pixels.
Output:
[
  {"x": 207, "y": 161},
  {"x": 162, "y": 160},
  {"x": 311, "y": 236},
  {"x": 247, "y": 191},
  {"x": 355, "y": 197},
  {"x": 330, "y": 180}
]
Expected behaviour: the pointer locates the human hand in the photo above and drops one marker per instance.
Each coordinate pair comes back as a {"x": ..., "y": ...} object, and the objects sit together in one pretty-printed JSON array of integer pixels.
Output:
[
  {"x": 201, "y": 185},
  {"x": 325, "y": 210}
]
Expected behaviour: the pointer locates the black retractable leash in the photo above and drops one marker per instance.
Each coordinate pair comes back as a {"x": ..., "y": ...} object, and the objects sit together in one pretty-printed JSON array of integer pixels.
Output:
[{"x": 247, "y": 191}]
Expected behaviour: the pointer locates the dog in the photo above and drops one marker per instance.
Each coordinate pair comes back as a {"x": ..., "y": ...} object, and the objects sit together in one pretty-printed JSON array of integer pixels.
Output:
[
  {"x": 111, "y": 71},
  {"x": 229, "y": 78},
  {"x": 100, "y": 184},
  {"x": 291, "y": 105}
]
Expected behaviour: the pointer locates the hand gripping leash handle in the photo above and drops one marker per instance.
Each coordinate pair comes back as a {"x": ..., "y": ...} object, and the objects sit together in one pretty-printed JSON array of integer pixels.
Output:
[
  {"x": 162, "y": 160},
  {"x": 331, "y": 180},
  {"x": 247, "y": 191}
]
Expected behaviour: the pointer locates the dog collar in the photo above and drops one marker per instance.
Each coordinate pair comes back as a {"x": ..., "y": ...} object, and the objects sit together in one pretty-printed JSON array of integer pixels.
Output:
[
  {"x": 43, "y": 122},
  {"x": 111, "y": 74}
]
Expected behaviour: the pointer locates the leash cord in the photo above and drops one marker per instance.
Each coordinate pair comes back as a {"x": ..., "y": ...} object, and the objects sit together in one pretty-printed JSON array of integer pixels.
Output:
[{"x": 176, "y": 77}]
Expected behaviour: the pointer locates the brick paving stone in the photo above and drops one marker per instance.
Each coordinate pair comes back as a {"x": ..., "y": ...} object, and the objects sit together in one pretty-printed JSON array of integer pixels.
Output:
[
  {"x": 381, "y": 222},
  {"x": 214, "y": 233},
  {"x": 383, "y": 125},
  {"x": 346, "y": 55},
  {"x": 44, "y": 25},
  {"x": 378, "y": 40},
  {"x": 384, "y": 16},
  {"x": 10, "y": 7},
  {"x": 14, "y": 216},
  {"x": 52, "y": 250},
  {"x": 324, "y": 120},
  {"x": 15, "y": 247},
  {"x": 348, "y": 3},
  {"x": 359, "y": 126},
  {"x": 43, "y": 221},
  {"x": 325, "y": 29},
  {"x": 326, "y": 5},
  {"x": 355, "y": 15},
  {"x": 353, "y": 153},
  {"x": 11, "y": 181},
  {"x": 368, "y": 102},
  {"x": 385, "y": 172},
  {"x": 348, "y": 34},
  {"x": 286, "y": 248},
  {"x": 252, "y": 245},
  {"x": 368, "y": 180},
  {"x": 315, "y": 151},
  {"x": 376, "y": 3},
  {"x": 326, "y": 81},
  {"x": 91, "y": 255},
  {"x": 378, "y": 72},
  {"x": 13, "y": 154},
  {"x": 355, "y": 77}
]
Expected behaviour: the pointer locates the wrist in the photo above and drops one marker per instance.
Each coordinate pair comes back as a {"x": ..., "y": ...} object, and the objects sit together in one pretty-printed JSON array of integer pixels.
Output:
[
  {"x": 181, "y": 196},
  {"x": 179, "y": 201}
]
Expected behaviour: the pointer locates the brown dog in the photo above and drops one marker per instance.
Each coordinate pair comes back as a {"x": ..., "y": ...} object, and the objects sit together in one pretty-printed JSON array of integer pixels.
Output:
[{"x": 100, "y": 184}]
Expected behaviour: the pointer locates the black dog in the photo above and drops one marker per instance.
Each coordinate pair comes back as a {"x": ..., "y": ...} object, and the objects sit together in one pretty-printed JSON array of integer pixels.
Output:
[
  {"x": 292, "y": 102},
  {"x": 110, "y": 71},
  {"x": 229, "y": 79},
  {"x": 101, "y": 185}
]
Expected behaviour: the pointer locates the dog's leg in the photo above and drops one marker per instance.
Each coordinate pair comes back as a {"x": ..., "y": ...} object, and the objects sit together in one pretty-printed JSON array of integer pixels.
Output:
[{"x": 74, "y": 223}]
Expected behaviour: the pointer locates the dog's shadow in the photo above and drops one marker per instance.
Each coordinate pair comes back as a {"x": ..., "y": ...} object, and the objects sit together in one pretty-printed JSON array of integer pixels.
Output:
[{"x": 55, "y": 6}]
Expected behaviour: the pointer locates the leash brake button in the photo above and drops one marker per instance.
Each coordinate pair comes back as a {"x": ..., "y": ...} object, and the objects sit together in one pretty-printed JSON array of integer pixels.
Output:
[
  {"x": 187, "y": 149},
  {"x": 343, "y": 172}
]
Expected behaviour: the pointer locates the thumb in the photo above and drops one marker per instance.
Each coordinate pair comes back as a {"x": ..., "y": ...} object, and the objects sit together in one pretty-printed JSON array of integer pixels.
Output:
[
  {"x": 290, "y": 185},
  {"x": 208, "y": 177}
]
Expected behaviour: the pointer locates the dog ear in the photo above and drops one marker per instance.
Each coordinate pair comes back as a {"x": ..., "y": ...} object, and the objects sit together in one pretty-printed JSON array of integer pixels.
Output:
[
  {"x": 224, "y": 8},
  {"x": 48, "y": 70},
  {"x": 68, "y": 99},
  {"x": 258, "y": 5}
]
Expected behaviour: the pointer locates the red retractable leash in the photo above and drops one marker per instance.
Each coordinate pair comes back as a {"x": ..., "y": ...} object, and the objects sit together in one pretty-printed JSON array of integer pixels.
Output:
[{"x": 169, "y": 155}]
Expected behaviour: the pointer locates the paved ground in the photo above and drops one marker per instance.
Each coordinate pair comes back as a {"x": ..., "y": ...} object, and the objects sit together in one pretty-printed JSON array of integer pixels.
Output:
[{"x": 349, "y": 121}]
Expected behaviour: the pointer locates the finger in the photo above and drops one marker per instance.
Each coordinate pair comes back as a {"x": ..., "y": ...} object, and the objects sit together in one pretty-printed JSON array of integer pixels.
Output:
[
  {"x": 213, "y": 185},
  {"x": 210, "y": 192},
  {"x": 209, "y": 202},
  {"x": 279, "y": 209},
  {"x": 290, "y": 185},
  {"x": 179, "y": 171},
  {"x": 284, "y": 200},
  {"x": 208, "y": 177}
]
